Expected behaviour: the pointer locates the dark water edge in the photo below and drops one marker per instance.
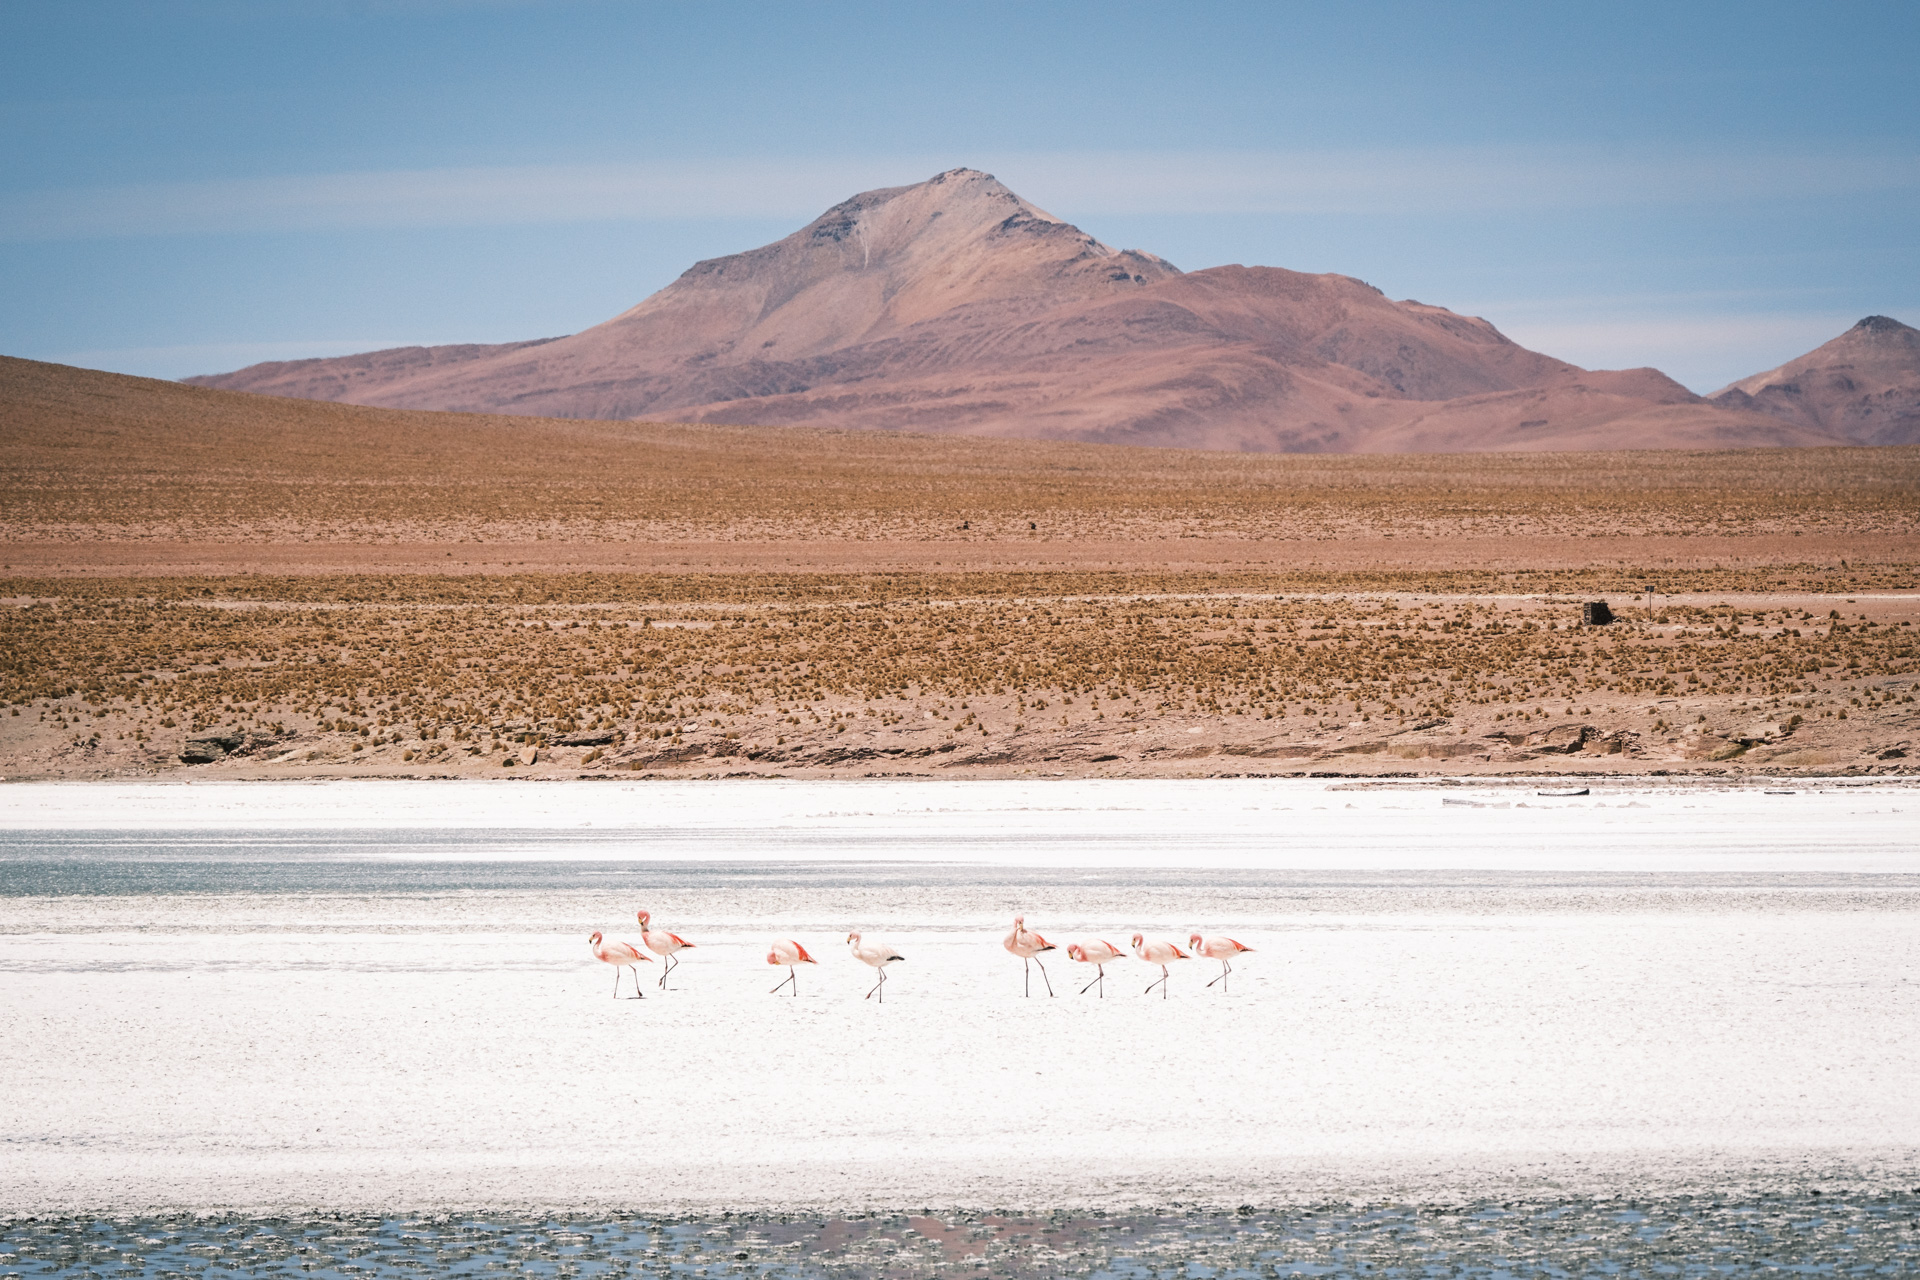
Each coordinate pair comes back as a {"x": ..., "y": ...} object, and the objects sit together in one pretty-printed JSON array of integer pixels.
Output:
[
  {"x": 1805, "y": 1235},
  {"x": 377, "y": 864}
]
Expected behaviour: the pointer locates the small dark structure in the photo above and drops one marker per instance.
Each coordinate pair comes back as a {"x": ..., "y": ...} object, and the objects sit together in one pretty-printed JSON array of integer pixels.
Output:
[{"x": 1596, "y": 614}]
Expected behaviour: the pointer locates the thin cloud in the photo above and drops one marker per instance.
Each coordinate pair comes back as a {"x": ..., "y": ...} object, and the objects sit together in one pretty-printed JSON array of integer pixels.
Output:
[
  {"x": 184, "y": 359},
  {"x": 1083, "y": 184},
  {"x": 1443, "y": 181},
  {"x": 489, "y": 196}
]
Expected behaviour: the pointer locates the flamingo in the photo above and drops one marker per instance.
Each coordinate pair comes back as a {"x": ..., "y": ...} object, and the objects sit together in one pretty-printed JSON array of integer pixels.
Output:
[
  {"x": 1221, "y": 948},
  {"x": 1028, "y": 945},
  {"x": 662, "y": 944},
  {"x": 789, "y": 953},
  {"x": 1097, "y": 954},
  {"x": 621, "y": 955},
  {"x": 1160, "y": 953},
  {"x": 879, "y": 957}
]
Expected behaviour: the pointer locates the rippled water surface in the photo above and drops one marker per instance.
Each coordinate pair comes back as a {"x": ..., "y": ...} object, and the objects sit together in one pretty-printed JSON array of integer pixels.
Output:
[{"x": 1807, "y": 1235}]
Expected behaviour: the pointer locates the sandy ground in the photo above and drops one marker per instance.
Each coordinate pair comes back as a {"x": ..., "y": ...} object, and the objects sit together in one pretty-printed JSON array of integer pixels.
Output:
[
  {"x": 1440, "y": 550},
  {"x": 1589, "y": 1026},
  {"x": 337, "y": 591}
]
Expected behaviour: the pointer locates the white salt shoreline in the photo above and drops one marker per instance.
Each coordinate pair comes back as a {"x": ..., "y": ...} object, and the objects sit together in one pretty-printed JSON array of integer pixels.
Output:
[
  {"x": 1743, "y": 1015},
  {"x": 1427, "y": 1060},
  {"x": 1248, "y": 823}
]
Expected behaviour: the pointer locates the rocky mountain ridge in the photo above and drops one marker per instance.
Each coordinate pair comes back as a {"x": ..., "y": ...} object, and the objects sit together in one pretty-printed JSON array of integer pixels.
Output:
[
  {"x": 955, "y": 306},
  {"x": 1863, "y": 386}
]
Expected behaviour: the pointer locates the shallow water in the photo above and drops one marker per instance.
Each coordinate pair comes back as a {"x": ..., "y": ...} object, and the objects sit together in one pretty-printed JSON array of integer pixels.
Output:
[
  {"x": 1804, "y": 1235},
  {"x": 1267, "y": 824},
  {"x": 435, "y": 868}
]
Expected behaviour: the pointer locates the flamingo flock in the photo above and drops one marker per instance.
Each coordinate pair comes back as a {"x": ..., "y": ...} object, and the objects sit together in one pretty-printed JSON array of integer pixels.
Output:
[{"x": 1022, "y": 943}]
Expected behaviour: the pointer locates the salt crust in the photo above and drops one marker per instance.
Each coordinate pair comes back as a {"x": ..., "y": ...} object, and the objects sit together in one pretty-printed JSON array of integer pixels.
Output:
[
  {"x": 461, "y": 1050},
  {"x": 1248, "y": 823}
]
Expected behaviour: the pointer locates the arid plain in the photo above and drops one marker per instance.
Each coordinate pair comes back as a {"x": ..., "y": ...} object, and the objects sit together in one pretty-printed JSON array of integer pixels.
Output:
[{"x": 209, "y": 583}]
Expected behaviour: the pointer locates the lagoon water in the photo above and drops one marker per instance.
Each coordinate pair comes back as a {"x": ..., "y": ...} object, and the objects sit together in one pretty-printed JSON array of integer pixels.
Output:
[
  {"x": 1501, "y": 1023},
  {"x": 1688, "y": 1237}
]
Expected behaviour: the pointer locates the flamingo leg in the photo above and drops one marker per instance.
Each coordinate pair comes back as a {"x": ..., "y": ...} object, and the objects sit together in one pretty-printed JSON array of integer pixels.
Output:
[
  {"x": 1099, "y": 978},
  {"x": 1225, "y": 969},
  {"x": 1043, "y": 976},
  {"x": 784, "y": 981},
  {"x": 616, "y": 982},
  {"x": 1027, "y": 967},
  {"x": 880, "y": 987},
  {"x": 1160, "y": 982}
]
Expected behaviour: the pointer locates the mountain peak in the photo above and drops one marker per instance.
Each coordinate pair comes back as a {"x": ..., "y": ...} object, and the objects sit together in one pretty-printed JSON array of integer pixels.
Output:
[
  {"x": 1881, "y": 324},
  {"x": 953, "y": 304},
  {"x": 1863, "y": 385},
  {"x": 945, "y": 208},
  {"x": 879, "y": 262}
]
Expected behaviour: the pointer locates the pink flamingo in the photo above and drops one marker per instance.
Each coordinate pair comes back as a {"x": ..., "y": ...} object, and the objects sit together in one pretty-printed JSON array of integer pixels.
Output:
[
  {"x": 1098, "y": 954},
  {"x": 621, "y": 955},
  {"x": 876, "y": 955},
  {"x": 1028, "y": 945},
  {"x": 789, "y": 953},
  {"x": 1160, "y": 953},
  {"x": 662, "y": 944},
  {"x": 1221, "y": 948}
]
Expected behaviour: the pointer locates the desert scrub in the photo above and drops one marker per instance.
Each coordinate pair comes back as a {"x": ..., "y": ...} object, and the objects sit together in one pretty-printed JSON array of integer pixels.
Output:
[{"x": 427, "y": 662}]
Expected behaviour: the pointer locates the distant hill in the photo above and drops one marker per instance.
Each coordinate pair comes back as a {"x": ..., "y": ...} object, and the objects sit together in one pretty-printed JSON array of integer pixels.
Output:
[
  {"x": 1864, "y": 386},
  {"x": 954, "y": 306}
]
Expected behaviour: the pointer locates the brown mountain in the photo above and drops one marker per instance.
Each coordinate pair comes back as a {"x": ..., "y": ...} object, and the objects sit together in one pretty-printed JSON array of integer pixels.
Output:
[
  {"x": 1864, "y": 386},
  {"x": 955, "y": 306}
]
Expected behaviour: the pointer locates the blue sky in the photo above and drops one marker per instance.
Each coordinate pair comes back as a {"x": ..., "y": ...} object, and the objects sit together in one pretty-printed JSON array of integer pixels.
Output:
[{"x": 189, "y": 187}]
